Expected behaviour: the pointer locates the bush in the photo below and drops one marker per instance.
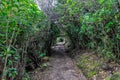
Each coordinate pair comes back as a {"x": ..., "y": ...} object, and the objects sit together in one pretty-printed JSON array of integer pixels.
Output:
[
  {"x": 20, "y": 21},
  {"x": 93, "y": 24}
]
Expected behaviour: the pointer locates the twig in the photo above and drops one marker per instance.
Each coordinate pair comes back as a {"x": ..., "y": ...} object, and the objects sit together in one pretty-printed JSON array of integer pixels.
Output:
[{"x": 8, "y": 49}]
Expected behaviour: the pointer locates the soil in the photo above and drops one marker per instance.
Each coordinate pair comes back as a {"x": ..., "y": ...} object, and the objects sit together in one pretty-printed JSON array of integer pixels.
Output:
[
  {"x": 60, "y": 67},
  {"x": 85, "y": 66}
]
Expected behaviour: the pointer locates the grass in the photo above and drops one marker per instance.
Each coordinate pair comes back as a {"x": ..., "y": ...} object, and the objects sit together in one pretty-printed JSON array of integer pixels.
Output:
[{"x": 88, "y": 64}]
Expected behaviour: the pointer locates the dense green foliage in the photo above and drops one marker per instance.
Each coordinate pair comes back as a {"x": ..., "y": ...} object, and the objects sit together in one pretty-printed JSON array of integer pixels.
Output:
[
  {"x": 93, "y": 24},
  {"x": 26, "y": 34},
  {"x": 18, "y": 20},
  {"x": 24, "y": 30}
]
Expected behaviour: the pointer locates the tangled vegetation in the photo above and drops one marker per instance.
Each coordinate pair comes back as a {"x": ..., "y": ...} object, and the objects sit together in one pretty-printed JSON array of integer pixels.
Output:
[
  {"x": 93, "y": 24},
  {"x": 25, "y": 36},
  {"x": 27, "y": 33}
]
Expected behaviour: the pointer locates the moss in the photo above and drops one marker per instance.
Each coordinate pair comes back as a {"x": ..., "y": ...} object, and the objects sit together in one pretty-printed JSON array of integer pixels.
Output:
[
  {"x": 91, "y": 73},
  {"x": 88, "y": 64},
  {"x": 107, "y": 78}
]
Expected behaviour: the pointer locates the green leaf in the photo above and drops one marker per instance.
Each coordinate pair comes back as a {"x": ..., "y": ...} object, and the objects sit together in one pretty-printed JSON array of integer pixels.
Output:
[
  {"x": 101, "y": 1},
  {"x": 118, "y": 36},
  {"x": 3, "y": 35}
]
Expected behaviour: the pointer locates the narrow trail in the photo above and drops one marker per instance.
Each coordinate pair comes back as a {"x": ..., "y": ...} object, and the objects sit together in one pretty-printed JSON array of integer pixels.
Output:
[{"x": 61, "y": 67}]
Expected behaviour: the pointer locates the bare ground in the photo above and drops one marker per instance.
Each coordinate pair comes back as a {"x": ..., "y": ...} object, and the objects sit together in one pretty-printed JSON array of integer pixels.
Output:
[{"x": 61, "y": 67}]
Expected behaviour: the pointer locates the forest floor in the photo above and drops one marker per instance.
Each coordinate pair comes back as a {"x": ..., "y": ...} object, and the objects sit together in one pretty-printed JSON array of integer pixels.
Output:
[
  {"x": 84, "y": 66},
  {"x": 60, "y": 67},
  {"x": 95, "y": 67}
]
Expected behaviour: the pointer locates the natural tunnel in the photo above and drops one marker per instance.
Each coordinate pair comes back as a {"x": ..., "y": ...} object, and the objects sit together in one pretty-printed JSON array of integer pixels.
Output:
[
  {"x": 36, "y": 33},
  {"x": 63, "y": 40}
]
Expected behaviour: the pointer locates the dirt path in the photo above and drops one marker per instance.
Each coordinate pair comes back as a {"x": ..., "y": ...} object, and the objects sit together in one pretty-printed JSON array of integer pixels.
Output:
[{"x": 61, "y": 67}]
